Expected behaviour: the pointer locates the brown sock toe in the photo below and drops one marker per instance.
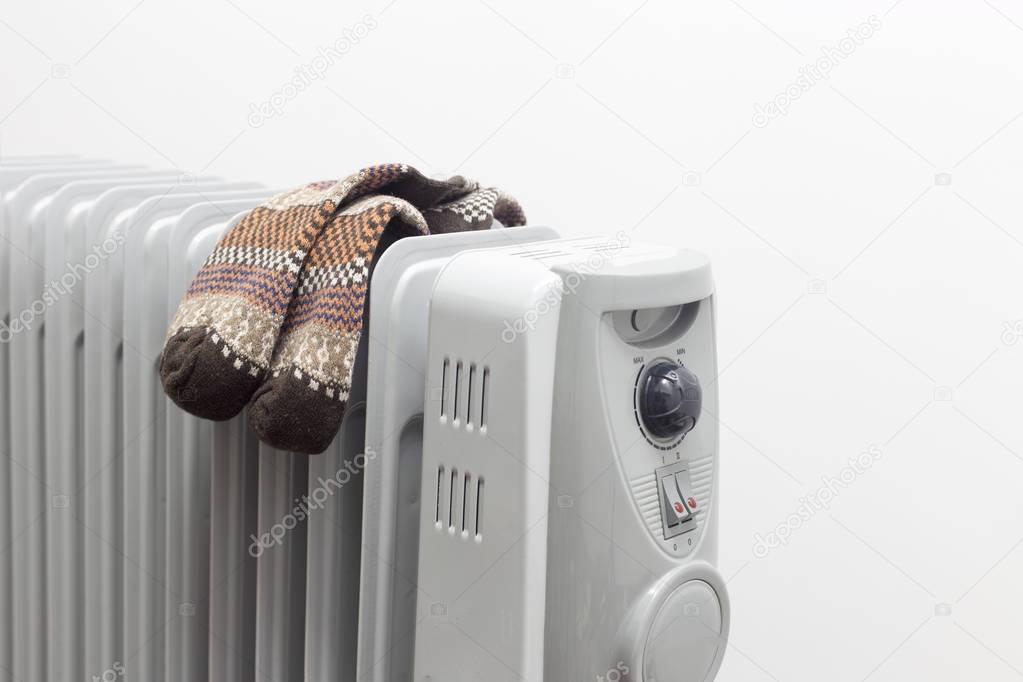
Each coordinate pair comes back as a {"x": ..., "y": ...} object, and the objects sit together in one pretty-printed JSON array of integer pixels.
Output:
[
  {"x": 204, "y": 380},
  {"x": 288, "y": 414}
]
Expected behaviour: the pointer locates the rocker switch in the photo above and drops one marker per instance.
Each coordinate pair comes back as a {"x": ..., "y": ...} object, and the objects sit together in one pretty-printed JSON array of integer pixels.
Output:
[
  {"x": 683, "y": 488},
  {"x": 675, "y": 510}
]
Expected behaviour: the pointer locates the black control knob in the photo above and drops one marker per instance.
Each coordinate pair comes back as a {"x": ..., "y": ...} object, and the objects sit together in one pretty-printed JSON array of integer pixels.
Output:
[{"x": 670, "y": 400}]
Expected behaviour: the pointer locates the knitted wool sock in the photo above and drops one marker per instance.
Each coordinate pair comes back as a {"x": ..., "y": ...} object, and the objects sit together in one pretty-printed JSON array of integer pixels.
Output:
[
  {"x": 221, "y": 341},
  {"x": 299, "y": 408}
]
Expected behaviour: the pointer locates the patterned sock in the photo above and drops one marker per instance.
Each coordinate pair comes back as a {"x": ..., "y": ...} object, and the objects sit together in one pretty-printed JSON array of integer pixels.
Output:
[
  {"x": 222, "y": 338},
  {"x": 299, "y": 408}
]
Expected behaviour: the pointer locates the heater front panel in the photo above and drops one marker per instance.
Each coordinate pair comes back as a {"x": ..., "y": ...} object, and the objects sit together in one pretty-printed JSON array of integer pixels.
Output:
[
  {"x": 486, "y": 447},
  {"x": 670, "y": 477},
  {"x": 632, "y": 592}
]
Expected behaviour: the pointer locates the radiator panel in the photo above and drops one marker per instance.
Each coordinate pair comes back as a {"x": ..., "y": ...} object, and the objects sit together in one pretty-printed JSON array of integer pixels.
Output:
[{"x": 128, "y": 527}]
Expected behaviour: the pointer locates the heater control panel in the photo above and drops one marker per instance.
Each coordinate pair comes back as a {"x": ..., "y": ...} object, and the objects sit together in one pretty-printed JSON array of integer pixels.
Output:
[
  {"x": 659, "y": 388},
  {"x": 635, "y": 452}
]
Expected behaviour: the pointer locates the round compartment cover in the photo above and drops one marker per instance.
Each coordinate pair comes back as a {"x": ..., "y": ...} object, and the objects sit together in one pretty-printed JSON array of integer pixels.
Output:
[{"x": 685, "y": 635}]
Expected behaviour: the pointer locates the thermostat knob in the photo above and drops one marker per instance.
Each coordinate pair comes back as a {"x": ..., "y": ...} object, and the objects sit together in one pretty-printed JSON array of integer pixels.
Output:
[{"x": 670, "y": 400}]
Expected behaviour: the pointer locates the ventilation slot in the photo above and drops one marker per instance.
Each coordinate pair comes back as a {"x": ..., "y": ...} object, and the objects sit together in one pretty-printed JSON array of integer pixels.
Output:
[
  {"x": 440, "y": 492},
  {"x": 466, "y": 479},
  {"x": 464, "y": 394},
  {"x": 468, "y": 401},
  {"x": 444, "y": 388},
  {"x": 484, "y": 398},
  {"x": 459, "y": 506},
  {"x": 603, "y": 246},
  {"x": 451, "y": 500},
  {"x": 479, "y": 510},
  {"x": 457, "y": 390},
  {"x": 540, "y": 253}
]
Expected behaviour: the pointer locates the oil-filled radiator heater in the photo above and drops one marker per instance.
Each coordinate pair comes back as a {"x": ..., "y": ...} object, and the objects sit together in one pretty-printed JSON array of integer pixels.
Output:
[{"x": 524, "y": 486}]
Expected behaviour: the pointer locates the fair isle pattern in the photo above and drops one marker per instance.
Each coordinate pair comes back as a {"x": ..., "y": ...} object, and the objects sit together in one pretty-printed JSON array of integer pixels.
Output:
[
  {"x": 321, "y": 330},
  {"x": 347, "y": 274},
  {"x": 406, "y": 211},
  {"x": 355, "y": 271},
  {"x": 240, "y": 362},
  {"x": 339, "y": 192},
  {"x": 284, "y": 293},
  {"x": 250, "y": 331},
  {"x": 323, "y": 324},
  {"x": 476, "y": 207},
  {"x": 367, "y": 181},
  {"x": 319, "y": 357},
  {"x": 244, "y": 288},
  {"x": 315, "y": 354},
  {"x": 259, "y": 257},
  {"x": 313, "y": 194}
]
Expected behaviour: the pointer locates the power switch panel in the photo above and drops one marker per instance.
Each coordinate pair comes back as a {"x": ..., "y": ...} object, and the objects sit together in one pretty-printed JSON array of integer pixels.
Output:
[
  {"x": 678, "y": 505},
  {"x": 675, "y": 510}
]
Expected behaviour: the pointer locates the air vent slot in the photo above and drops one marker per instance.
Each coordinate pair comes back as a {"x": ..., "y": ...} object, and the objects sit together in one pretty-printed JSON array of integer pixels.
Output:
[
  {"x": 464, "y": 394},
  {"x": 440, "y": 492},
  {"x": 604, "y": 246},
  {"x": 459, "y": 506},
  {"x": 444, "y": 388},
  {"x": 452, "y": 499},
  {"x": 457, "y": 390},
  {"x": 540, "y": 253},
  {"x": 468, "y": 401},
  {"x": 479, "y": 509},
  {"x": 568, "y": 248},
  {"x": 466, "y": 479},
  {"x": 484, "y": 399}
]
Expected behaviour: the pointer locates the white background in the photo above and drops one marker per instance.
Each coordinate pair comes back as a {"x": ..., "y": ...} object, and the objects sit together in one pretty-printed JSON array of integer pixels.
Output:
[{"x": 867, "y": 244}]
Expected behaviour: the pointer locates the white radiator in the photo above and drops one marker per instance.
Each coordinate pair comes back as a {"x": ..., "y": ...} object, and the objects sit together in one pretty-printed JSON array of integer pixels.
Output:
[
  {"x": 140, "y": 543},
  {"x": 113, "y": 547}
]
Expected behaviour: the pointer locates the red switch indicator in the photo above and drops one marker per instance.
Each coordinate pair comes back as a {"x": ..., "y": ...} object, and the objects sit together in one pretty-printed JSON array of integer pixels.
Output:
[
  {"x": 679, "y": 508},
  {"x": 691, "y": 502}
]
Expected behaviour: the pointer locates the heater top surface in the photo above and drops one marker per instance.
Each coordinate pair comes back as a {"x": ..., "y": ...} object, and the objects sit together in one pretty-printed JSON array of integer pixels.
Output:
[{"x": 616, "y": 273}]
